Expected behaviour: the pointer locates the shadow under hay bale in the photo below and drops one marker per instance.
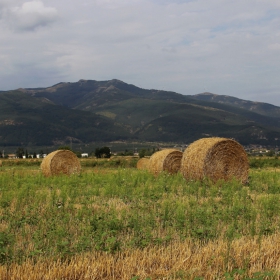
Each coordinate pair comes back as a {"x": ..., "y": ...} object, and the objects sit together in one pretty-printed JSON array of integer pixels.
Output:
[
  {"x": 60, "y": 162},
  {"x": 168, "y": 160},
  {"x": 143, "y": 164},
  {"x": 215, "y": 158}
]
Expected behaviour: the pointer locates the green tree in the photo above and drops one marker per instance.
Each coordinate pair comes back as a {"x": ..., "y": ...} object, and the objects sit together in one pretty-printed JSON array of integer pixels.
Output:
[
  {"x": 78, "y": 154},
  {"x": 41, "y": 154},
  {"x": 142, "y": 153},
  {"x": 128, "y": 153},
  {"x": 20, "y": 152},
  {"x": 271, "y": 153},
  {"x": 102, "y": 152}
]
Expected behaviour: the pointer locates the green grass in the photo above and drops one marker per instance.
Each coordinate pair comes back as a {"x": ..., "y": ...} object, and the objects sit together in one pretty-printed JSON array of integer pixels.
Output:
[
  {"x": 112, "y": 207},
  {"x": 256, "y": 162}
]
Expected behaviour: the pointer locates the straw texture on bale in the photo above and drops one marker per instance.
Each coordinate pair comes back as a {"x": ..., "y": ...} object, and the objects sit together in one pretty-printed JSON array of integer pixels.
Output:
[
  {"x": 143, "y": 163},
  {"x": 215, "y": 158},
  {"x": 60, "y": 162},
  {"x": 168, "y": 160}
]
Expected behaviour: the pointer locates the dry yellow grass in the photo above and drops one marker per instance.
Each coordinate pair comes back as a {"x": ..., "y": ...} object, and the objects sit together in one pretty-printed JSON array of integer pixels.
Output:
[
  {"x": 215, "y": 158},
  {"x": 168, "y": 160},
  {"x": 60, "y": 162},
  {"x": 187, "y": 259},
  {"x": 143, "y": 164}
]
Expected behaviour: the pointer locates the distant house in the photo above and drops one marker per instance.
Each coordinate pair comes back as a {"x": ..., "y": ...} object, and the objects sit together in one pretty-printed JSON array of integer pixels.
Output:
[
  {"x": 11, "y": 156},
  {"x": 41, "y": 155},
  {"x": 84, "y": 155}
]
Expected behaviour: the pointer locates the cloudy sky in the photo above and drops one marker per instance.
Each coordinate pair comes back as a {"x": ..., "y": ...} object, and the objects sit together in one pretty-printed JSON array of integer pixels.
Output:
[{"x": 229, "y": 47}]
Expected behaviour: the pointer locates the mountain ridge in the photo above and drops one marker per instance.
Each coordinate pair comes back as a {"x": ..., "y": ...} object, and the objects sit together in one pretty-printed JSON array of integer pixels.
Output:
[
  {"x": 260, "y": 107},
  {"x": 90, "y": 110}
]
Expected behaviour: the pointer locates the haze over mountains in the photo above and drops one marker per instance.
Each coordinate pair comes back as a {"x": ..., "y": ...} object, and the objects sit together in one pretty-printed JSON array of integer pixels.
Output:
[{"x": 88, "y": 111}]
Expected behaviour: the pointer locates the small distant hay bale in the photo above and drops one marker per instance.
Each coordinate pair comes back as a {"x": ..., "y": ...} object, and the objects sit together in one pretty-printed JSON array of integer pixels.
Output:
[
  {"x": 143, "y": 164},
  {"x": 168, "y": 160},
  {"x": 60, "y": 162},
  {"x": 215, "y": 158}
]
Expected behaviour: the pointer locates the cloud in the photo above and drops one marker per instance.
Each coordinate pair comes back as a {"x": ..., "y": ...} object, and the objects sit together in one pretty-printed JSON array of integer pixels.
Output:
[
  {"x": 226, "y": 47},
  {"x": 27, "y": 17},
  {"x": 4, "y": 4}
]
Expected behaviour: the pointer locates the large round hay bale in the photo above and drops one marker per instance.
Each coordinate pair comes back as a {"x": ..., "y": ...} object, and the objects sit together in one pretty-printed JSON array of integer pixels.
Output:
[
  {"x": 168, "y": 160},
  {"x": 143, "y": 164},
  {"x": 60, "y": 162},
  {"x": 215, "y": 158}
]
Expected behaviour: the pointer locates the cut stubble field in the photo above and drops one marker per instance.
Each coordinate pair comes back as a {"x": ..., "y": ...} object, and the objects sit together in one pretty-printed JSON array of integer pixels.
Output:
[{"x": 116, "y": 222}]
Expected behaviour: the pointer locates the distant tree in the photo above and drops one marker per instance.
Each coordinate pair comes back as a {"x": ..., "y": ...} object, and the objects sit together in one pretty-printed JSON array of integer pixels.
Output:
[
  {"x": 26, "y": 154},
  {"x": 97, "y": 152},
  {"x": 102, "y": 152},
  {"x": 41, "y": 154},
  {"x": 149, "y": 152},
  {"x": 64, "y": 148},
  {"x": 146, "y": 152},
  {"x": 271, "y": 153},
  {"x": 78, "y": 154},
  {"x": 1, "y": 155},
  {"x": 142, "y": 153},
  {"x": 34, "y": 155},
  {"x": 128, "y": 153},
  {"x": 20, "y": 152}
]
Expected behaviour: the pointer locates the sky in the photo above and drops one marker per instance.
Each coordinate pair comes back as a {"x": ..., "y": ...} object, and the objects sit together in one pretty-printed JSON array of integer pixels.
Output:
[{"x": 226, "y": 47}]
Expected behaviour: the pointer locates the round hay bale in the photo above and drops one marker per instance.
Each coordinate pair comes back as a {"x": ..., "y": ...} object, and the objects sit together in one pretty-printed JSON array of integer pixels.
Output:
[
  {"x": 143, "y": 164},
  {"x": 60, "y": 162},
  {"x": 168, "y": 160},
  {"x": 215, "y": 158}
]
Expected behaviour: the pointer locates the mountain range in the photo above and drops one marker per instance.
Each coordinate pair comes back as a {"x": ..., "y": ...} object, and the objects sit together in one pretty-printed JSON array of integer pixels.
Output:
[{"x": 90, "y": 111}]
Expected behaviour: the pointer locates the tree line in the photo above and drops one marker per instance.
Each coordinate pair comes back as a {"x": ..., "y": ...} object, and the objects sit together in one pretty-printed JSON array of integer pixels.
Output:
[{"x": 103, "y": 152}]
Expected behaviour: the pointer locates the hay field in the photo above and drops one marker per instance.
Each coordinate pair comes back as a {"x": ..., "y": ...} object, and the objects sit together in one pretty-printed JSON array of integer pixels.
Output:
[{"x": 114, "y": 221}]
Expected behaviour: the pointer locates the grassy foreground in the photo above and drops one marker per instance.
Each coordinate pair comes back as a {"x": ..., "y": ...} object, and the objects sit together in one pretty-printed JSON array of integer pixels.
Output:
[{"x": 116, "y": 222}]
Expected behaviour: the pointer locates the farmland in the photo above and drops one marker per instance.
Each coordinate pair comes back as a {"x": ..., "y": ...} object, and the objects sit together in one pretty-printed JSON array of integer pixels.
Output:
[{"x": 116, "y": 222}]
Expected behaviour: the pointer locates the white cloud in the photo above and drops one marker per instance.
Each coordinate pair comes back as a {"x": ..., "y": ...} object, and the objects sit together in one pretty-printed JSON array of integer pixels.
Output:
[{"x": 28, "y": 16}]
